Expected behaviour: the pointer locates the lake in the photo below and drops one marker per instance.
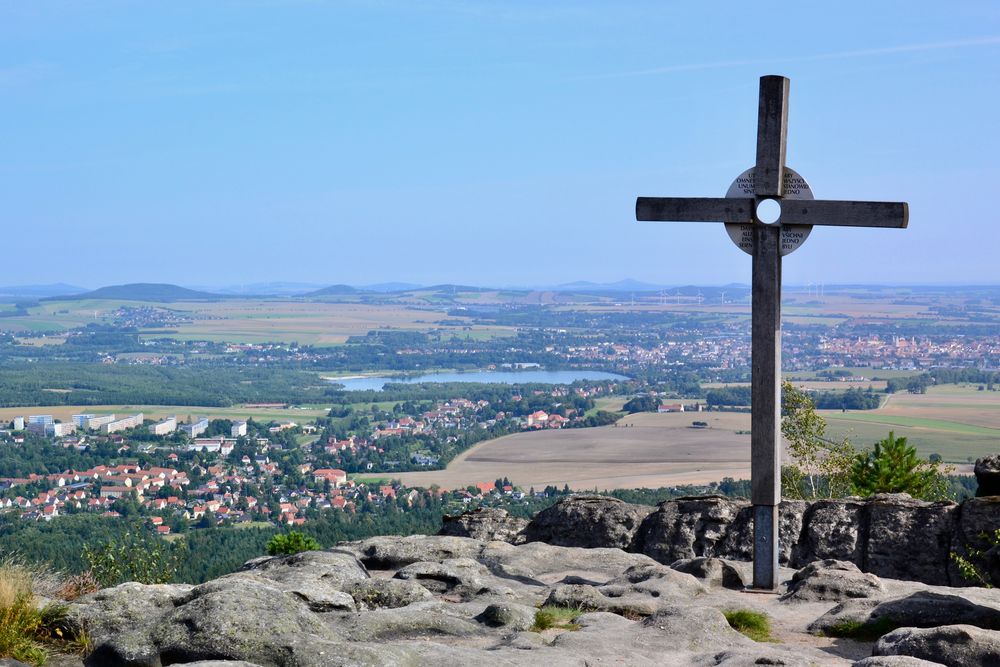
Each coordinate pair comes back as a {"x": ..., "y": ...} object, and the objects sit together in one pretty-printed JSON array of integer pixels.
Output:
[{"x": 497, "y": 377}]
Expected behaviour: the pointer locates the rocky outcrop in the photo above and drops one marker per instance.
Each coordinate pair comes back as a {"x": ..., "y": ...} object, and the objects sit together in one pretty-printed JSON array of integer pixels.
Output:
[
  {"x": 952, "y": 645},
  {"x": 987, "y": 472},
  {"x": 447, "y": 601},
  {"x": 877, "y": 534},
  {"x": 908, "y": 539},
  {"x": 922, "y": 609},
  {"x": 588, "y": 521},
  {"x": 693, "y": 527},
  {"x": 715, "y": 572},
  {"x": 833, "y": 580},
  {"x": 485, "y": 524}
]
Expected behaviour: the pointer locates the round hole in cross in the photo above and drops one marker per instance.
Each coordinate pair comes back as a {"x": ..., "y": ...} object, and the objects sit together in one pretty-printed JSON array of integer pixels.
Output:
[{"x": 768, "y": 211}]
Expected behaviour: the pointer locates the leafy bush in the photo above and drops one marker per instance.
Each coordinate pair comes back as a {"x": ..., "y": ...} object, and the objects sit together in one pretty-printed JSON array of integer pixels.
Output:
[
  {"x": 818, "y": 467},
  {"x": 894, "y": 467},
  {"x": 291, "y": 542},
  {"x": 753, "y": 624},
  {"x": 135, "y": 556}
]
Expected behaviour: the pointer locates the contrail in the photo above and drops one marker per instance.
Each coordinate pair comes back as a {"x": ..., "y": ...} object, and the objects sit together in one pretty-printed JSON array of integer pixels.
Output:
[{"x": 859, "y": 53}]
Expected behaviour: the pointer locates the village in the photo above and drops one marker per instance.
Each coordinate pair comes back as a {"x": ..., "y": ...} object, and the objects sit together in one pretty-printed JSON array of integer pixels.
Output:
[{"x": 180, "y": 475}]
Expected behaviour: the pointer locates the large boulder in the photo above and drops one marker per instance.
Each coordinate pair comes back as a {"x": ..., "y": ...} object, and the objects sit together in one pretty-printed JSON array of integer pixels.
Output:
[
  {"x": 391, "y": 552},
  {"x": 923, "y": 609},
  {"x": 538, "y": 563},
  {"x": 588, "y": 521},
  {"x": 123, "y": 617},
  {"x": 461, "y": 578},
  {"x": 689, "y": 527},
  {"x": 830, "y": 529},
  {"x": 988, "y": 476},
  {"x": 894, "y": 661},
  {"x": 376, "y": 593},
  {"x": 508, "y": 615},
  {"x": 714, "y": 572},
  {"x": 833, "y": 580},
  {"x": 322, "y": 579},
  {"x": 238, "y": 617},
  {"x": 952, "y": 645},
  {"x": 487, "y": 524},
  {"x": 896, "y": 523}
]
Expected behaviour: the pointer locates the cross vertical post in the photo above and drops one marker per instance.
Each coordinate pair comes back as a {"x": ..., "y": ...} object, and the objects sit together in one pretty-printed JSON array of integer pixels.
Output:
[{"x": 765, "y": 365}]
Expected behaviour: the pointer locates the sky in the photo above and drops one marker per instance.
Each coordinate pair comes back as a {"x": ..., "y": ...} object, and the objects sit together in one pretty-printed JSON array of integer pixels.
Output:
[{"x": 486, "y": 143}]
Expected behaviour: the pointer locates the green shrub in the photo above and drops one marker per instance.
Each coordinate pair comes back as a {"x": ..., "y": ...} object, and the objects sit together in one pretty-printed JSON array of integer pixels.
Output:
[
  {"x": 135, "y": 556},
  {"x": 971, "y": 566},
  {"x": 291, "y": 542},
  {"x": 894, "y": 467},
  {"x": 753, "y": 624}
]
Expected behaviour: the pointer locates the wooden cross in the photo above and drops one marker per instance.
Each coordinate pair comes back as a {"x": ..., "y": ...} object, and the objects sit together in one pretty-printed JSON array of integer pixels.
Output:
[{"x": 767, "y": 240}]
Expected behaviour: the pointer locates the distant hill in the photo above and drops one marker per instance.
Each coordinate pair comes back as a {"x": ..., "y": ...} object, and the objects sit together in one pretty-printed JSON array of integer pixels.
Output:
[
  {"x": 452, "y": 289},
  {"x": 143, "y": 292},
  {"x": 627, "y": 285},
  {"x": 335, "y": 290},
  {"x": 391, "y": 287},
  {"x": 39, "y": 291},
  {"x": 265, "y": 289}
]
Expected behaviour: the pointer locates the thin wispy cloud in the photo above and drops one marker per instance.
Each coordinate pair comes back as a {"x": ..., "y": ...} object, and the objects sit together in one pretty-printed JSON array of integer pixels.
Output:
[{"x": 835, "y": 55}]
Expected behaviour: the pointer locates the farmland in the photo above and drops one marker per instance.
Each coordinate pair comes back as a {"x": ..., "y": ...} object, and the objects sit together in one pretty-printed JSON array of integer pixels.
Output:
[
  {"x": 317, "y": 323},
  {"x": 642, "y": 450},
  {"x": 959, "y": 422}
]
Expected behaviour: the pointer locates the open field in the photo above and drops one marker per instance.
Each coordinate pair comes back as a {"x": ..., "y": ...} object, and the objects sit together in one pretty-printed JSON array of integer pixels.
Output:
[
  {"x": 642, "y": 450},
  {"x": 65, "y": 412},
  {"x": 956, "y": 421},
  {"x": 257, "y": 321}
]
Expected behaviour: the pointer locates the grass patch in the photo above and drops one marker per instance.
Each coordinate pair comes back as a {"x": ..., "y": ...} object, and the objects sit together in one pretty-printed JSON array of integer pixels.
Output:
[
  {"x": 560, "y": 618},
  {"x": 753, "y": 624},
  {"x": 28, "y": 631},
  {"x": 863, "y": 631}
]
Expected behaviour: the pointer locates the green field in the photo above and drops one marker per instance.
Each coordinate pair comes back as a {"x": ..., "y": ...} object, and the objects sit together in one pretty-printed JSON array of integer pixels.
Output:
[{"x": 956, "y": 421}]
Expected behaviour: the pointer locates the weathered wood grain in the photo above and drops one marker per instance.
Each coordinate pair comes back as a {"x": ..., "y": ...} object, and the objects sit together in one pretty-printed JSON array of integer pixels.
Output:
[
  {"x": 772, "y": 130},
  {"x": 693, "y": 209},
  {"x": 845, "y": 213}
]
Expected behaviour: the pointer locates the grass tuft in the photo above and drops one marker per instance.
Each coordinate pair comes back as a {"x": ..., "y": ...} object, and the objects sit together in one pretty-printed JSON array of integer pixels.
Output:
[
  {"x": 29, "y": 629},
  {"x": 754, "y": 624},
  {"x": 551, "y": 616},
  {"x": 863, "y": 632}
]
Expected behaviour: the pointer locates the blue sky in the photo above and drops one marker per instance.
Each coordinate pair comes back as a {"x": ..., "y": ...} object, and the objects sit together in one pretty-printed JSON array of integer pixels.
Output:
[{"x": 482, "y": 142}]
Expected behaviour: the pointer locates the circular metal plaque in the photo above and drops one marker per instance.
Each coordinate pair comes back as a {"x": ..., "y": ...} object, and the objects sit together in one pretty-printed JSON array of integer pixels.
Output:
[{"x": 792, "y": 236}]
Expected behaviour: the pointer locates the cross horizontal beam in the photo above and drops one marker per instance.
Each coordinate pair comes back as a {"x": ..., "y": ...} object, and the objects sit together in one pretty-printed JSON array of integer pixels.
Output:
[
  {"x": 693, "y": 209},
  {"x": 793, "y": 211},
  {"x": 889, "y": 214}
]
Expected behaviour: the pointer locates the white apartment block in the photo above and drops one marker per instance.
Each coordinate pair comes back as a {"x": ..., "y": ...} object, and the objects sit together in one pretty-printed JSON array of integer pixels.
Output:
[
  {"x": 195, "y": 429},
  {"x": 122, "y": 424},
  {"x": 168, "y": 425},
  {"x": 94, "y": 423}
]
